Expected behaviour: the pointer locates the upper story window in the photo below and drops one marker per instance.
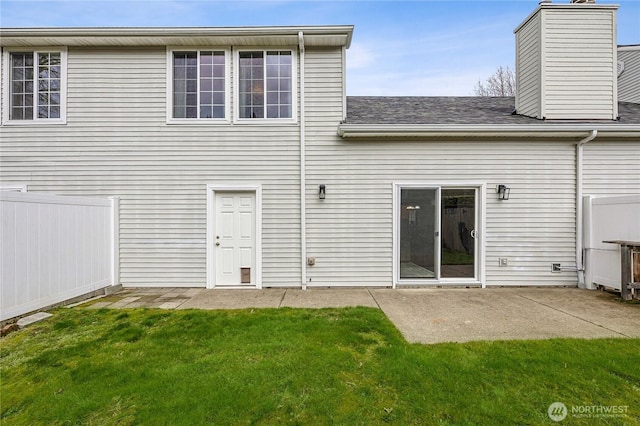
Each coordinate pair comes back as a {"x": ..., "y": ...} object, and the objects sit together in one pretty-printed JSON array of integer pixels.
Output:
[
  {"x": 36, "y": 86},
  {"x": 199, "y": 84},
  {"x": 265, "y": 84}
]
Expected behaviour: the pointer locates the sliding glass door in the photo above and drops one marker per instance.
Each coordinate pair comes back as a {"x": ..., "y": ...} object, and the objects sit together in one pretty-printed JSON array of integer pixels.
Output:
[
  {"x": 458, "y": 231},
  {"x": 418, "y": 224},
  {"x": 436, "y": 233}
]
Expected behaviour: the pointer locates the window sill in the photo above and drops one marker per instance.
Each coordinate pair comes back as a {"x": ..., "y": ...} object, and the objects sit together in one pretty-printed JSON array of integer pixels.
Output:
[
  {"x": 199, "y": 121},
  {"x": 42, "y": 122},
  {"x": 265, "y": 121},
  {"x": 238, "y": 121}
]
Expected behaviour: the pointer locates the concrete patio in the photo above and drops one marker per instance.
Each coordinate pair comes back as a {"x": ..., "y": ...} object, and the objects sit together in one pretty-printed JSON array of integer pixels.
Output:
[{"x": 426, "y": 315}]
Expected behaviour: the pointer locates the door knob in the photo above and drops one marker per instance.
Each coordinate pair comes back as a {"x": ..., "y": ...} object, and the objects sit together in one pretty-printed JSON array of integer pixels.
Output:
[{"x": 217, "y": 243}]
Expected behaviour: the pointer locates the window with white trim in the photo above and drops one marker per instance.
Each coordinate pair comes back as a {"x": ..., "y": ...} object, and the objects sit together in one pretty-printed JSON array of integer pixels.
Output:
[
  {"x": 198, "y": 84},
  {"x": 265, "y": 84},
  {"x": 36, "y": 85}
]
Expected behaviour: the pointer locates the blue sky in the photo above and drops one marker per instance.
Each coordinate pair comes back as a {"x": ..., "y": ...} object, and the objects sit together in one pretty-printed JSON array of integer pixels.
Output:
[{"x": 429, "y": 48}]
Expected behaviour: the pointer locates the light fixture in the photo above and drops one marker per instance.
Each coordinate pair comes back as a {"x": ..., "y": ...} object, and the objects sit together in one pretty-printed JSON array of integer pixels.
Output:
[
  {"x": 321, "y": 192},
  {"x": 412, "y": 214},
  {"x": 503, "y": 192}
]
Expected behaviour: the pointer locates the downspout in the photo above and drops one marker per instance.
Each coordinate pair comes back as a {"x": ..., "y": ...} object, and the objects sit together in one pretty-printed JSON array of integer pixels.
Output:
[
  {"x": 303, "y": 178},
  {"x": 579, "y": 225}
]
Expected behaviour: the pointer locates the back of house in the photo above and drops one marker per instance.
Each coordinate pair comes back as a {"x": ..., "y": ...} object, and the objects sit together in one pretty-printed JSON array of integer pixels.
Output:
[{"x": 239, "y": 161}]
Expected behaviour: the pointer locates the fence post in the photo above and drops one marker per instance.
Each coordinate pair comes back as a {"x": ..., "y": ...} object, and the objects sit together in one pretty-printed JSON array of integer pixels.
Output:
[
  {"x": 587, "y": 241},
  {"x": 115, "y": 240},
  {"x": 626, "y": 277}
]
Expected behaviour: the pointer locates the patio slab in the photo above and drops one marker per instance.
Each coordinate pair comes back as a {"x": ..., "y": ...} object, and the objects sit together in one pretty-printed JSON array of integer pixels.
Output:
[
  {"x": 462, "y": 315},
  {"x": 431, "y": 315},
  {"x": 328, "y": 298},
  {"x": 596, "y": 307},
  {"x": 236, "y": 299}
]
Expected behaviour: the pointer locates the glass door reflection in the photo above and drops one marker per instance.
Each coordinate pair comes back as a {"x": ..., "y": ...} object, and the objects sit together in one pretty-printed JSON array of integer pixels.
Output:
[
  {"x": 458, "y": 233},
  {"x": 418, "y": 239}
]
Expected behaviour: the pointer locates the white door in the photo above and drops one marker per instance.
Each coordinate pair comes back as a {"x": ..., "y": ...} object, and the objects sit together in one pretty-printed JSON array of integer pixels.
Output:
[{"x": 235, "y": 238}]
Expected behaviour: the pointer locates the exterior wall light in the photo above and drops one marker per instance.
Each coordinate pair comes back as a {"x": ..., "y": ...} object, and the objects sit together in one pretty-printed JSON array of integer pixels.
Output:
[
  {"x": 503, "y": 192},
  {"x": 321, "y": 192}
]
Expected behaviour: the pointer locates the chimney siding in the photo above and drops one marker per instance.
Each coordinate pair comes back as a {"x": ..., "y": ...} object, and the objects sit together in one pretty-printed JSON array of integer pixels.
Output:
[
  {"x": 566, "y": 63},
  {"x": 528, "y": 70},
  {"x": 628, "y": 86}
]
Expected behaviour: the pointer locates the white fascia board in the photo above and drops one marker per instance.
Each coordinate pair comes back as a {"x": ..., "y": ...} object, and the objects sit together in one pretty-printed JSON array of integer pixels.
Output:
[
  {"x": 630, "y": 47},
  {"x": 330, "y": 35},
  {"x": 362, "y": 131}
]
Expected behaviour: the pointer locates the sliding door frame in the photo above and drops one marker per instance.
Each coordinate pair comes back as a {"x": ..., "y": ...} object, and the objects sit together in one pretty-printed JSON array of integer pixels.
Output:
[{"x": 479, "y": 241}]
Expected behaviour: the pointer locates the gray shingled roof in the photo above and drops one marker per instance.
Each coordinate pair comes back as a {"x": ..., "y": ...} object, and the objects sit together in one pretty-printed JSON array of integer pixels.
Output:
[{"x": 449, "y": 110}]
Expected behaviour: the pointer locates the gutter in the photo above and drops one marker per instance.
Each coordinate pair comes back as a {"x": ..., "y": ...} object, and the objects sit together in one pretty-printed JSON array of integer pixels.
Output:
[
  {"x": 537, "y": 130},
  {"x": 328, "y": 35},
  {"x": 111, "y": 31},
  {"x": 579, "y": 206},
  {"x": 303, "y": 178}
]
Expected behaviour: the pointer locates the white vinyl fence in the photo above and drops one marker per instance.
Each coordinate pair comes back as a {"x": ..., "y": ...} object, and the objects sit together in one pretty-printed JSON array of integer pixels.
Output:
[
  {"x": 608, "y": 219},
  {"x": 54, "y": 248}
]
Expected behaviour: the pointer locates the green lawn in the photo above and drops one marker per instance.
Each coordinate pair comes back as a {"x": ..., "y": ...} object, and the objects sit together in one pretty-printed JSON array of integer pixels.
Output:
[
  {"x": 450, "y": 257},
  {"x": 329, "y": 366}
]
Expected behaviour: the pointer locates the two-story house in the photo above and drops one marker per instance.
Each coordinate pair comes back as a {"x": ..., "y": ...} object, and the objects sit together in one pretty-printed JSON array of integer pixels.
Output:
[{"x": 239, "y": 160}]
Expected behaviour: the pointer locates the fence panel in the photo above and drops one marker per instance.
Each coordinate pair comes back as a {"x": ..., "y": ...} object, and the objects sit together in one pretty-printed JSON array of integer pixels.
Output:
[
  {"x": 54, "y": 248},
  {"x": 607, "y": 219}
]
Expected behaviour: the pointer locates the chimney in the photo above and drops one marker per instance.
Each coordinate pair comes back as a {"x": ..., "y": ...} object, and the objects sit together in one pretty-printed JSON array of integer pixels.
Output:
[{"x": 566, "y": 62}]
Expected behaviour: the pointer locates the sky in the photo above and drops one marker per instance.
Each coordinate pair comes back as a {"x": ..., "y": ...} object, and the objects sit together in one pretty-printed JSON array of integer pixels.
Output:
[{"x": 421, "y": 48}]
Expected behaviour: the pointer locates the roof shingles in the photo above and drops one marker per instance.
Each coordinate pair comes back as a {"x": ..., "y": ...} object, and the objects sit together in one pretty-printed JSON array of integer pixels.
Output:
[{"x": 450, "y": 110}]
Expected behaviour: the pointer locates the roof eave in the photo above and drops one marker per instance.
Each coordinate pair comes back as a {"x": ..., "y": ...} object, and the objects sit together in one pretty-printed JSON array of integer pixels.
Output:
[
  {"x": 331, "y": 36},
  {"x": 627, "y": 47},
  {"x": 429, "y": 131}
]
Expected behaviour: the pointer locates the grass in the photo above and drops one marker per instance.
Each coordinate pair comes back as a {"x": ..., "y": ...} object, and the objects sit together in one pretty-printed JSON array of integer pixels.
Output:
[
  {"x": 329, "y": 366},
  {"x": 451, "y": 257}
]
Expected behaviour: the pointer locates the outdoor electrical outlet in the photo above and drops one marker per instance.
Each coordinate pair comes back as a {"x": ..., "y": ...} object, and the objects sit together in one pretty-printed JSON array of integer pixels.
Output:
[
  {"x": 503, "y": 261},
  {"x": 555, "y": 267}
]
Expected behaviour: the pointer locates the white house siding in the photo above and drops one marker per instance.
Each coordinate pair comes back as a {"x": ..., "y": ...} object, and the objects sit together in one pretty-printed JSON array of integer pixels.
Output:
[
  {"x": 353, "y": 227},
  {"x": 528, "y": 68},
  {"x": 629, "y": 80},
  {"x": 611, "y": 168},
  {"x": 579, "y": 52},
  {"x": 116, "y": 142},
  {"x": 343, "y": 229}
]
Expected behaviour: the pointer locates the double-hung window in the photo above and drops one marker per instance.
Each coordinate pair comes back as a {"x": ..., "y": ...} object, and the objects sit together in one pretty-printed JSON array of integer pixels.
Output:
[
  {"x": 265, "y": 84},
  {"x": 198, "y": 82},
  {"x": 36, "y": 86}
]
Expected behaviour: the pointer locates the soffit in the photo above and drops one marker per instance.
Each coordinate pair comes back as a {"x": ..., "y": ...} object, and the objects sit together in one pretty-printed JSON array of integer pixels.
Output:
[{"x": 326, "y": 36}]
